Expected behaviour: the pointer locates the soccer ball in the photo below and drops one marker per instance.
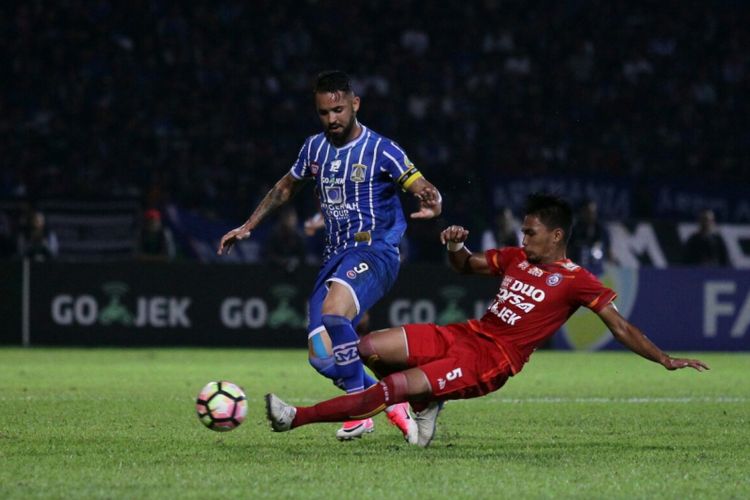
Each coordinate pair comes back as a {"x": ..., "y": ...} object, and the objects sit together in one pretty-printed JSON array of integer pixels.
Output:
[{"x": 221, "y": 406}]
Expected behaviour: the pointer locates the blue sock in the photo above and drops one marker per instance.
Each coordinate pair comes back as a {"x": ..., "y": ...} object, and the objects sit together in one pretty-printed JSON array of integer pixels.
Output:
[
  {"x": 327, "y": 367},
  {"x": 345, "y": 354},
  {"x": 369, "y": 381}
]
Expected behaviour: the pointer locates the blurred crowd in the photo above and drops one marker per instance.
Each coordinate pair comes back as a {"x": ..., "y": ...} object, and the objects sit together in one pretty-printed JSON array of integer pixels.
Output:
[{"x": 205, "y": 104}]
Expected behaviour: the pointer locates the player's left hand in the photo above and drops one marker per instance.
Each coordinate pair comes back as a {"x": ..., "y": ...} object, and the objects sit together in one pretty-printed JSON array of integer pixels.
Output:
[
  {"x": 677, "y": 363},
  {"x": 313, "y": 224},
  {"x": 430, "y": 203}
]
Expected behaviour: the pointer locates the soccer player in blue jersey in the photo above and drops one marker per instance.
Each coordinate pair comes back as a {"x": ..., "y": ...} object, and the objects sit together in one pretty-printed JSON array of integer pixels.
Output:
[{"x": 357, "y": 173}]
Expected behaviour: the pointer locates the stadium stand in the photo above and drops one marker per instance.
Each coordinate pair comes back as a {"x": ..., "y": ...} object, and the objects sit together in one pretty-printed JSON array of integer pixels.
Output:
[{"x": 204, "y": 104}]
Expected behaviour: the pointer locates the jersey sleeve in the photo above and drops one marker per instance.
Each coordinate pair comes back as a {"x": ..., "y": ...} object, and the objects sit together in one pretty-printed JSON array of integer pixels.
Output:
[
  {"x": 591, "y": 293},
  {"x": 499, "y": 259},
  {"x": 398, "y": 166},
  {"x": 301, "y": 167}
]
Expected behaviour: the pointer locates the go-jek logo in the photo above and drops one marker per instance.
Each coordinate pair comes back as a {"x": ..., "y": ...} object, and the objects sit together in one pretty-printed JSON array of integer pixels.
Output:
[
  {"x": 256, "y": 313},
  {"x": 150, "y": 311}
]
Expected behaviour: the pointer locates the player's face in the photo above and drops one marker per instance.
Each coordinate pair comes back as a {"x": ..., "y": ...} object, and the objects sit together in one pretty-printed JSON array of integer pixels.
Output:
[
  {"x": 541, "y": 244},
  {"x": 338, "y": 115}
]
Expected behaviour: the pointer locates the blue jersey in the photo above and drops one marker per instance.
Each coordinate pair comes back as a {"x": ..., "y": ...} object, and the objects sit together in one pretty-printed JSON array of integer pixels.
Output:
[{"x": 357, "y": 187}]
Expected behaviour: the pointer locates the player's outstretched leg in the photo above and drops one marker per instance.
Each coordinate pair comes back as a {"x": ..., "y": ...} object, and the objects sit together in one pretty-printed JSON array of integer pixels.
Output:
[{"x": 393, "y": 389}]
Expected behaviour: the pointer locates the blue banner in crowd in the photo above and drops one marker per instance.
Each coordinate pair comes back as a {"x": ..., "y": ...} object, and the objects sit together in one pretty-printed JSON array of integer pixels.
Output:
[
  {"x": 619, "y": 199},
  {"x": 613, "y": 197},
  {"x": 729, "y": 203}
]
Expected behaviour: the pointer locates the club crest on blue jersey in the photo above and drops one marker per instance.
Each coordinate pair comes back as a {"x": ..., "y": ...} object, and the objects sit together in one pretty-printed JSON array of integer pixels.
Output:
[
  {"x": 554, "y": 279},
  {"x": 314, "y": 167},
  {"x": 358, "y": 172}
]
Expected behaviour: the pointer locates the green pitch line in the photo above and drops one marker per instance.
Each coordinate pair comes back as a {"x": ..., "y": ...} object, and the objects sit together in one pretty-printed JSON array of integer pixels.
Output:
[{"x": 120, "y": 424}]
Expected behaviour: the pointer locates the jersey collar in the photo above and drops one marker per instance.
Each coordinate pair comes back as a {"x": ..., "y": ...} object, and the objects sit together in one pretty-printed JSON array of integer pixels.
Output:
[{"x": 352, "y": 143}]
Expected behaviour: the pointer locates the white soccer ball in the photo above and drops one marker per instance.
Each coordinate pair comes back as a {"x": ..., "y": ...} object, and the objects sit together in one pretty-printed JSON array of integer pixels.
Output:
[{"x": 221, "y": 406}]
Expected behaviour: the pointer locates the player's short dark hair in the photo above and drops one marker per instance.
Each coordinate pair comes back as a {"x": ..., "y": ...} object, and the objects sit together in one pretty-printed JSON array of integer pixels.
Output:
[
  {"x": 332, "y": 81},
  {"x": 553, "y": 211}
]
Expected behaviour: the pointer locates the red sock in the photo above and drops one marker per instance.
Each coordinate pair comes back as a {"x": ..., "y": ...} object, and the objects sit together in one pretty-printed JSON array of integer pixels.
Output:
[{"x": 357, "y": 406}]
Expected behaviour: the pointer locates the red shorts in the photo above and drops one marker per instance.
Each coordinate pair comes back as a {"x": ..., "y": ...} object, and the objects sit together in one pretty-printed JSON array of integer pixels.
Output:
[{"x": 459, "y": 363}]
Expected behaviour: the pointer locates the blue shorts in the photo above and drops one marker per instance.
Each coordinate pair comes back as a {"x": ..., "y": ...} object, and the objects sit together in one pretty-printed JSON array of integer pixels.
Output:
[{"x": 368, "y": 272}]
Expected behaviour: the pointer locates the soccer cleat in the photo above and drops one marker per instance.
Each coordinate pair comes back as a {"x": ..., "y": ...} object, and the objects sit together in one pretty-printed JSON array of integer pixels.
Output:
[
  {"x": 399, "y": 416},
  {"x": 280, "y": 414},
  {"x": 355, "y": 429},
  {"x": 427, "y": 423}
]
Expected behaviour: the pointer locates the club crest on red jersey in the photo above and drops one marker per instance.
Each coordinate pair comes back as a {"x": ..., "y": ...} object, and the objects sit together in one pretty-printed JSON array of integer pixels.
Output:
[{"x": 554, "y": 279}]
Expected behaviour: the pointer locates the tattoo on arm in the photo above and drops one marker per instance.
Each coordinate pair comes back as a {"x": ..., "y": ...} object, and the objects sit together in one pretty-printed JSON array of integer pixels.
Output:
[{"x": 279, "y": 194}]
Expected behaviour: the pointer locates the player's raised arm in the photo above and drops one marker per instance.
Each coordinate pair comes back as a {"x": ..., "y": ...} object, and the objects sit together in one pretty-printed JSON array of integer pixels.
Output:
[
  {"x": 280, "y": 193},
  {"x": 461, "y": 259},
  {"x": 634, "y": 339},
  {"x": 430, "y": 201}
]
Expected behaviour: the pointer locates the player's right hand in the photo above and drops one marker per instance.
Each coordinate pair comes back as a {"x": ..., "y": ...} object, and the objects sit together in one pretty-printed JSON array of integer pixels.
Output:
[
  {"x": 232, "y": 237},
  {"x": 456, "y": 234}
]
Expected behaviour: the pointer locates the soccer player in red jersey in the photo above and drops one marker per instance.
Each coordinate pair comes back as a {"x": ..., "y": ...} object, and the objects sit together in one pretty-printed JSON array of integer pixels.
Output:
[{"x": 427, "y": 364}]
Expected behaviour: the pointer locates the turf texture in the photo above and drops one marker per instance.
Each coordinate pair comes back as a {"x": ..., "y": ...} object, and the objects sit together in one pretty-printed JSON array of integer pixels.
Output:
[{"x": 120, "y": 423}]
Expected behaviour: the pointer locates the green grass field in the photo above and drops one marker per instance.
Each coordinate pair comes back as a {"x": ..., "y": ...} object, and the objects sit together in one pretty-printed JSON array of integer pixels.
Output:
[{"x": 121, "y": 424}]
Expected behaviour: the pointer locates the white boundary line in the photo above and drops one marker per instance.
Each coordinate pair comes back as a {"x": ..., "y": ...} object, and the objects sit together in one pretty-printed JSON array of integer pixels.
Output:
[
  {"x": 592, "y": 400},
  {"x": 510, "y": 401},
  {"x": 633, "y": 400}
]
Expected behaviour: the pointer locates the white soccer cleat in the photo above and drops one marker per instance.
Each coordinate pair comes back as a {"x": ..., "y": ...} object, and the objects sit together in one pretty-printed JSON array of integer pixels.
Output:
[
  {"x": 355, "y": 429},
  {"x": 280, "y": 414},
  {"x": 399, "y": 416},
  {"x": 427, "y": 423}
]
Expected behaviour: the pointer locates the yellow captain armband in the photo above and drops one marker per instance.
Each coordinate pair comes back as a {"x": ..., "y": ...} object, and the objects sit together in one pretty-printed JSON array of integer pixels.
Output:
[{"x": 407, "y": 178}]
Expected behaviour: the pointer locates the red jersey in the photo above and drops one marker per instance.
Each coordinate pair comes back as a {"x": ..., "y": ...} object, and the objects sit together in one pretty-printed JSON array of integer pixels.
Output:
[{"x": 534, "y": 301}]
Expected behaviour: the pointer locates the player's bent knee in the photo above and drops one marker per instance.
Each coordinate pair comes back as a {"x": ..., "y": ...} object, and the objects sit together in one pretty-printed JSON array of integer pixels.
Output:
[{"x": 367, "y": 351}]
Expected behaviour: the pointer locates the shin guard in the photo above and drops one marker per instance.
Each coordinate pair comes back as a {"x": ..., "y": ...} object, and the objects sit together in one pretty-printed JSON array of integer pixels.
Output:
[{"x": 345, "y": 355}]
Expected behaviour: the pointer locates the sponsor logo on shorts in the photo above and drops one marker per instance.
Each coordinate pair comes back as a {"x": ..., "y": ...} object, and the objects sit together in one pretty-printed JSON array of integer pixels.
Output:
[
  {"x": 554, "y": 279},
  {"x": 358, "y": 269}
]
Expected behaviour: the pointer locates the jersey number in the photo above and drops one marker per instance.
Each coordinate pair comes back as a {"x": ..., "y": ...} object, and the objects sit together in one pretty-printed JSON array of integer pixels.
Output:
[{"x": 362, "y": 267}]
